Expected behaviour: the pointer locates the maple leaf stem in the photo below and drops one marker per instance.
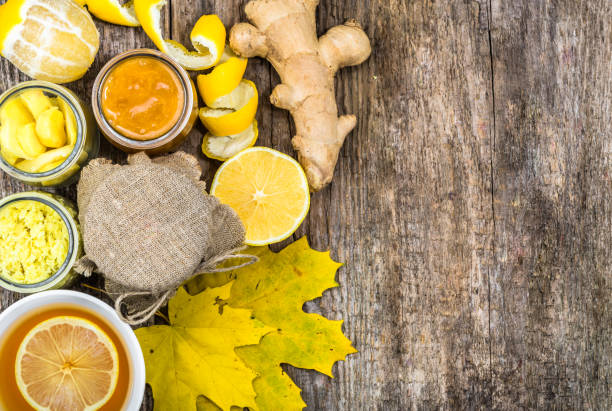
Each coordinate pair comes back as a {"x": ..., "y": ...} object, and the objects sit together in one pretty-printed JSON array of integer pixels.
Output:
[{"x": 160, "y": 314}]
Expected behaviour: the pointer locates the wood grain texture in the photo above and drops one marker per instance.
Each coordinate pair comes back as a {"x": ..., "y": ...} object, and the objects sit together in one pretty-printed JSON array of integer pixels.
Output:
[{"x": 471, "y": 205}]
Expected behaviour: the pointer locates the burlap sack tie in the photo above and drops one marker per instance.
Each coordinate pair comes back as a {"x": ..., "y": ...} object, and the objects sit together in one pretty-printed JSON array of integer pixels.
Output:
[{"x": 149, "y": 226}]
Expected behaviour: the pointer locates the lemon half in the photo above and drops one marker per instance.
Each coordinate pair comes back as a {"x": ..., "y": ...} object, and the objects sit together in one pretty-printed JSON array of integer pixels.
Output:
[{"x": 267, "y": 189}]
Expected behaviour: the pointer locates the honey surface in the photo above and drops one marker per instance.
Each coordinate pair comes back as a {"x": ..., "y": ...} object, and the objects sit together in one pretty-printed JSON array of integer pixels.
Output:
[{"x": 142, "y": 98}]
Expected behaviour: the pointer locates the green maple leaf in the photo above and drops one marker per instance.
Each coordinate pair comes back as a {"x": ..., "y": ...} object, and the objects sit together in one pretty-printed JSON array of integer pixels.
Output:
[
  {"x": 195, "y": 354},
  {"x": 275, "y": 289}
]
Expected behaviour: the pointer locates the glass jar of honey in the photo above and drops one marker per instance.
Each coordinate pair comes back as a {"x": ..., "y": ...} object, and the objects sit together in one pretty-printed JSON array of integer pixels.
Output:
[
  {"x": 143, "y": 100},
  {"x": 47, "y": 134}
]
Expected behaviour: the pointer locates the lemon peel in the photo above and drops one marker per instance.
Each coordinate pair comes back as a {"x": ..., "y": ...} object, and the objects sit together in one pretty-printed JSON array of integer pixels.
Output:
[
  {"x": 221, "y": 80},
  {"x": 224, "y": 147},
  {"x": 207, "y": 36},
  {"x": 112, "y": 11},
  {"x": 235, "y": 112}
]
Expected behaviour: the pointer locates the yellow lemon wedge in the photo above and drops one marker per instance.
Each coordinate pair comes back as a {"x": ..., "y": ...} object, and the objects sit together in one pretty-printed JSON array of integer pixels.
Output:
[
  {"x": 52, "y": 40},
  {"x": 267, "y": 189},
  {"x": 223, "y": 147},
  {"x": 112, "y": 11},
  {"x": 236, "y": 111},
  {"x": 207, "y": 36},
  {"x": 67, "y": 363},
  {"x": 221, "y": 80}
]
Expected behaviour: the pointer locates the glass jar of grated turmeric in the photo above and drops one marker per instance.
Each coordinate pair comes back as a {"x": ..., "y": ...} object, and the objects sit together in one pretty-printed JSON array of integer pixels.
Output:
[{"x": 39, "y": 242}]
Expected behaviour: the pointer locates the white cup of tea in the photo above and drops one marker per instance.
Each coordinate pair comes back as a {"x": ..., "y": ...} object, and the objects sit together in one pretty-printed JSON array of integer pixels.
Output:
[{"x": 58, "y": 300}]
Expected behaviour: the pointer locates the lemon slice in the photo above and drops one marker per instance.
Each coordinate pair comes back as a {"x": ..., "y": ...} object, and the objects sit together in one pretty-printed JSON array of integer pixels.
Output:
[
  {"x": 52, "y": 40},
  {"x": 221, "y": 80},
  {"x": 207, "y": 36},
  {"x": 239, "y": 109},
  {"x": 67, "y": 363},
  {"x": 112, "y": 11},
  {"x": 223, "y": 147},
  {"x": 267, "y": 189}
]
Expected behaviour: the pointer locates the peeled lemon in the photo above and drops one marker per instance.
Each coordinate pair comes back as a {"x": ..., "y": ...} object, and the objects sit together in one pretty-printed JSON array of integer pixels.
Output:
[
  {"x": 207, "y": 36},
  {"x": 239, "y": 109},
  {"x": 267, "y": 189},
  {"x": 223, "y": 147},
  {"x": 52, "y": 40}
]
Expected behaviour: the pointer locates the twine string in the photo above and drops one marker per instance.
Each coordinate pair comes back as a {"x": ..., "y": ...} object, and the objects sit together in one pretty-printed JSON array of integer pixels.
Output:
[{"x": 209, "y": 267}]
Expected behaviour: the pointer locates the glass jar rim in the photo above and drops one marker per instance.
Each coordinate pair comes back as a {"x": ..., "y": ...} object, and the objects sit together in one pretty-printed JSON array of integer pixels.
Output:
[
  {"x": 67, "y": 96},
  {"x": 73, "y": 238},
  {"x": 139, "y": 145}
]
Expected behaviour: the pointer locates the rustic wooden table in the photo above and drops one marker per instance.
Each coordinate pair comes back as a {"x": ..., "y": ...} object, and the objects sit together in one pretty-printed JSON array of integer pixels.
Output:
[{"x": 471, "y": 205}]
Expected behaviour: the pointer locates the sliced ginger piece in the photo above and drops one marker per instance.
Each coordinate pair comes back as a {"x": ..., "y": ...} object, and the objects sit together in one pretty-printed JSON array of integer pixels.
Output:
[
  {"x": 14, "y": 115},
  {"x": 51, "y": 166},
  {"x": 35, "y": 101},
  {"x": 70, "y": 119},
  {"x": 50, "y": 127},
  {"x": 16, "y": 112},
  {"x": 28, "y": 140},
  {"x": 10, "y": 158},
  {"x": 44, "y": 160}
]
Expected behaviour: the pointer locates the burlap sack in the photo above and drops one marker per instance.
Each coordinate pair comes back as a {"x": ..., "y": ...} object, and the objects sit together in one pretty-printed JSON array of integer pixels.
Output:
[{"x": 149, "y": 226}]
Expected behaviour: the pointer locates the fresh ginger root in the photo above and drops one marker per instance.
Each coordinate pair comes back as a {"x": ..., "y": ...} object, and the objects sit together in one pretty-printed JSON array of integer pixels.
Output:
[{"x": 284, "y": 33}]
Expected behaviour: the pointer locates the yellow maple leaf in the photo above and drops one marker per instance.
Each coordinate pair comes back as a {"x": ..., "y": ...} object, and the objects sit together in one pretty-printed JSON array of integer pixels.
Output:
[
  {"x": 275, "y": 289},
  {"x": 195, "y": 354}
]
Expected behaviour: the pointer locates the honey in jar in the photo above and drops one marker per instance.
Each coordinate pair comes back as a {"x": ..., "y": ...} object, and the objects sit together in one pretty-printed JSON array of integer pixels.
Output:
[{"x": 142, "y": 98}]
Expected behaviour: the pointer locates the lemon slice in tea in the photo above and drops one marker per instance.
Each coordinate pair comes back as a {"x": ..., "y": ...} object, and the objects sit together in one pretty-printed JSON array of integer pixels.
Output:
[
  {"x": 267, "y": 189},
  {"x": 67, "y": 363}
]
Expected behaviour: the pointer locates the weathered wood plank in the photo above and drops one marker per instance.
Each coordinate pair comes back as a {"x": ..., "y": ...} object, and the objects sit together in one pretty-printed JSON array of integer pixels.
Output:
[
  {"x": 475, "y": 226},
  {"x": 550, "y": 300}
]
